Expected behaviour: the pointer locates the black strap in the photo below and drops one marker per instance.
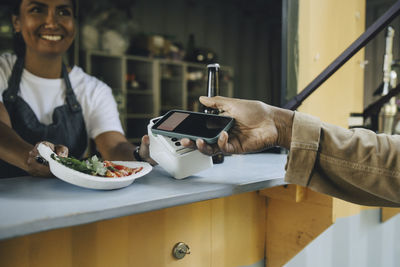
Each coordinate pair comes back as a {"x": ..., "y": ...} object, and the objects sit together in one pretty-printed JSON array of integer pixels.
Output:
[
  {"x": 11, "y": 93},
  {"x": 370, "y": 33},
  {"x": 73, "y": 104}
]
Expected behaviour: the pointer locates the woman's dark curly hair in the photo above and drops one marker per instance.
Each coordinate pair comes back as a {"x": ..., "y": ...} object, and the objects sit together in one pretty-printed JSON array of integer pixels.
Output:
[{"x": 18, "y": 40}]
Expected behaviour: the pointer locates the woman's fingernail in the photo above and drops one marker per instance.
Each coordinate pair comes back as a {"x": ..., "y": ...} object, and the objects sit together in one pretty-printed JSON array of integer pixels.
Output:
[
  {"x": 222, "y": 137},
  {"x": 199, "y": 142}
]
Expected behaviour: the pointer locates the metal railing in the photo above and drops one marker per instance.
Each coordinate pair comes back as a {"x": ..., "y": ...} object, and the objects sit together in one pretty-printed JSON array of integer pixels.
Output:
[{"x": 369, "y": 34}]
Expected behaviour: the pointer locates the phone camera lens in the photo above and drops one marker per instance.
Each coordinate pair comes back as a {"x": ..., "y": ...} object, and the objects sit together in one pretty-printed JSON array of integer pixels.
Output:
[{"x": 178, "y": 143}]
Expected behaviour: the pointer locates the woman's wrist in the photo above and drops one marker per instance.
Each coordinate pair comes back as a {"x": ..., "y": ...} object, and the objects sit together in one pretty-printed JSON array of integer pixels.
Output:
[{"x": 136, "y": 154}]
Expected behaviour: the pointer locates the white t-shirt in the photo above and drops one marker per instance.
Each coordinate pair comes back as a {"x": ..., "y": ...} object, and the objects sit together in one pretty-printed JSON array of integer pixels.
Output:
[{"x": 99, "y": 108}]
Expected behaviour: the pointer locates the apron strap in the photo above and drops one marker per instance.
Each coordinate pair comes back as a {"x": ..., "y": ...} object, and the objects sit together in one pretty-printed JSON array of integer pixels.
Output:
[
  {"x": 73, "y": 104},
  {"x": 10, "y": 95}
]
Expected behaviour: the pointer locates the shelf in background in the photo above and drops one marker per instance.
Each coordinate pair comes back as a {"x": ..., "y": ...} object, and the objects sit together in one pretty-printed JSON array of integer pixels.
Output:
[
  {"x": 6, "y": 35},
  {"x": 145, "y": 88},
  {"x": 139, "y": 116},
  {"x": 169, "y": 107},
  {"x": 136, "y": 140},
  {"x": 139, "y": 92},
  {"x": 171, "y": 79}
]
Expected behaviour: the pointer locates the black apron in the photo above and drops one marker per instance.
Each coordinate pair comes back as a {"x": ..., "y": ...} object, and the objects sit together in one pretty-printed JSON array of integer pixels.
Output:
[{"x": 68, "y": 127}]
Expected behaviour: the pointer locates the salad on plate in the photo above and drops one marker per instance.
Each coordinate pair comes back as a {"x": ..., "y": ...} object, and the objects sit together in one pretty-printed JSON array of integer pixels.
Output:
[{"x": 94, "y": 173}]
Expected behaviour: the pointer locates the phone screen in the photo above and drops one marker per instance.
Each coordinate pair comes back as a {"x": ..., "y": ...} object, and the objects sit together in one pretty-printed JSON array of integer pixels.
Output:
[{"x": 193, "y": 124}]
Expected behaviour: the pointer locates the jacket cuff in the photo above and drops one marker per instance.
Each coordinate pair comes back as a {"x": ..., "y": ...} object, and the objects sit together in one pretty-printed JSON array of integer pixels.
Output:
[{"x": 306, "y": 132}]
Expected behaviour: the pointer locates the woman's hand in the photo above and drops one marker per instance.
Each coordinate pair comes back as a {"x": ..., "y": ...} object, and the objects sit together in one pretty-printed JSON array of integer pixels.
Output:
[
  {"x": 144, "y": 151},
  {"x": 257, "y": 126},
  {"x": 114, "y": 146},
  {"x": 37, "y": 166}
]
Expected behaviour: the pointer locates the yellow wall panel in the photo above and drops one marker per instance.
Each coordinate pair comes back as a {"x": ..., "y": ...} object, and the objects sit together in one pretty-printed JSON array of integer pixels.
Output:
[
  {"x": 44, "y": 249},
  {"x": 326, "y": 29},
  {"x": 83, "y": 245},
  {"x": 244, "y": 224},
  {"x": 388, "y": 213},
  {"x": 291, "y": 226}
]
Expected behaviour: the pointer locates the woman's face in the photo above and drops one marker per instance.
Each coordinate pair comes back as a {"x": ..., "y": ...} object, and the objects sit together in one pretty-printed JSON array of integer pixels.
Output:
[{"x": 47, "y": 26}]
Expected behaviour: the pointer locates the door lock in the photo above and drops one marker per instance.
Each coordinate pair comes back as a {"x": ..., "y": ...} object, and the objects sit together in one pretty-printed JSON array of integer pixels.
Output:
[{"x": 180, "y": 250}]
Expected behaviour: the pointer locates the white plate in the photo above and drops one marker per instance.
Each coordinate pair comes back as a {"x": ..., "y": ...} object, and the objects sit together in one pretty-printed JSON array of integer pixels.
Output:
[{"x": 90, "y": 181}]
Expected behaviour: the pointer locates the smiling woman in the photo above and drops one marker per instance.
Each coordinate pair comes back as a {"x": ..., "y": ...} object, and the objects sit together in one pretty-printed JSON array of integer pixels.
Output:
[
  {"x": 44, "y": 28},
  {"x": 41, "y": 99},
  {"x": 64, "y": 11}
]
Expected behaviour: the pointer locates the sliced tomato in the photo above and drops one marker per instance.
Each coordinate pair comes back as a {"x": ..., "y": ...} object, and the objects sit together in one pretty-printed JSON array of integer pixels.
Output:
[
  {"x": 121, "y": 170},
  {"x": 119, "y": 167}
]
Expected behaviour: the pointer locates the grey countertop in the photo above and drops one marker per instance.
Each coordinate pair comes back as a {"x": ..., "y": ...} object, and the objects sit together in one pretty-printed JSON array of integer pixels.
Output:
[{"x": 29, "y": 205}]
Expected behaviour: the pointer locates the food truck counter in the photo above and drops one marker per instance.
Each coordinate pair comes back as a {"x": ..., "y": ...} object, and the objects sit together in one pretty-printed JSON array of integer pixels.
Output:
[{"x": 30, "y": 205}]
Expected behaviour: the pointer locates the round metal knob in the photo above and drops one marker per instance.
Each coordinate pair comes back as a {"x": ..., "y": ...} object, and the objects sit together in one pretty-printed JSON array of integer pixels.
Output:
[{"x": 180, "y": 250}]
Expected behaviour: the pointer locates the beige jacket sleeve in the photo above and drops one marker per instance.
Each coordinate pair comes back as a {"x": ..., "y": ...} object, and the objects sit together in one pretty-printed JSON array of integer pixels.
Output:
[{"x": 356, "y": 165}]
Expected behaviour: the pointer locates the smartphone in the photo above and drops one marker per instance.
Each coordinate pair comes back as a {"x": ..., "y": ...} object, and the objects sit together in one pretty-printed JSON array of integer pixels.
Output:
[{"x": 192, "y": 125}]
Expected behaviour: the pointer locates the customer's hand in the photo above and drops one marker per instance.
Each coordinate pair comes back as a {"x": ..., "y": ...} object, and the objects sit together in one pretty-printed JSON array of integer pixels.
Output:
[
  {"x": 37, "y": 166},
  {"x": 257, "y": 126}
]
